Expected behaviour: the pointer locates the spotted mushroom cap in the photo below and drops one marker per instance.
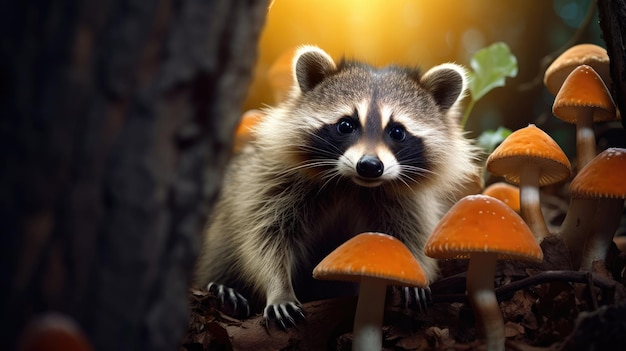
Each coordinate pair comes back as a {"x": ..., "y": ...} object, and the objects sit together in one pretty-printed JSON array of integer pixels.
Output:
[
  {"x": 582, "y": 89},
  {"x": 602, "y": 177},
  {"x": 373, "y": 255},
  {"x": 481, "y": 223},
  {"x": 529, "y": 145},
  {"x": 581, "y": 54}
]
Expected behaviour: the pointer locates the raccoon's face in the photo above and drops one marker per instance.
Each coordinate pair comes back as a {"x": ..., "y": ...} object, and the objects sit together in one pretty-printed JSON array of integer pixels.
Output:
[
  {"x": 371, "y": 126},
  {"x": 369, "y": 146}
]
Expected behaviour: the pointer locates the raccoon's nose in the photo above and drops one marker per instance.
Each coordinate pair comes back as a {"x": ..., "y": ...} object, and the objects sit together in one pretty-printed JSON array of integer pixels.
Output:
[{"x": 370, "y": 167}]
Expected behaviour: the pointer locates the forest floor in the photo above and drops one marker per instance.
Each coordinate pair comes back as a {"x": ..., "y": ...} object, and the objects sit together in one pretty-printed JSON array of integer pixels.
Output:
[{"x": 545, "y": 306}]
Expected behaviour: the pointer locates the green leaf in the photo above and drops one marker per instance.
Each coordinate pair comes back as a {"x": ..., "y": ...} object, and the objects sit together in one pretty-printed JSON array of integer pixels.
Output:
[
  {"x": 490, "y": 139},
  {"x": 491, "y": 66}
]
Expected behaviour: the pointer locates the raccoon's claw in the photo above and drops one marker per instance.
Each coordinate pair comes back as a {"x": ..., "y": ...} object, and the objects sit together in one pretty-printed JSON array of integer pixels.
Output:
[
  {"x": 284, "y": 314},
  {"x": 421, "y": 297},
  {"x": 238, "y": 303}
]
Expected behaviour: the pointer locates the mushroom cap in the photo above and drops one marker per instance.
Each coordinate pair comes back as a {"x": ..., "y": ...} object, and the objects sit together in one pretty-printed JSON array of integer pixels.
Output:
[
  {"x": 53, "y": 331},
  {"x": 529, "y": 145},
  {"x": 505, "y": 192},
  {"x": 582, "y": 54},
  {"x": 375, "y": 255},
  {"x": 481, "y": 223},
  {"x": 602, "y": 177},
  {"x": 584, "y": 88}
]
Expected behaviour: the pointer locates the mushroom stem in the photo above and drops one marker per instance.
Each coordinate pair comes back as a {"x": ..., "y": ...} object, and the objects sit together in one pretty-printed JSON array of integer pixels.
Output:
[
  {"x": 368, "y": 319},
  {"x": 576, "y": 227},
  {"x": 585, "y": 137},
  {"x": 480, "y": 290},
  {"x": 606, "y": 221},
  {"x": 530, "y": 205}
]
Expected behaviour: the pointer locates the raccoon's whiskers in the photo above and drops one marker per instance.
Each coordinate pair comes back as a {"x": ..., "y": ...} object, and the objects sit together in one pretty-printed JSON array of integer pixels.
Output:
[
  {"x": 339, "y": 152},
  {"x": 329, "y": 175},
  {"x": 315, "y": 163},
  {"x": 404, "y": 181},
  {"x": 417, "y": 171}
]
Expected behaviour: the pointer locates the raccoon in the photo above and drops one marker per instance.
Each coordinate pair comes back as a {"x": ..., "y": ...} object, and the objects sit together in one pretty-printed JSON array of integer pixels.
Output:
[{"x": 352, "y": 149}]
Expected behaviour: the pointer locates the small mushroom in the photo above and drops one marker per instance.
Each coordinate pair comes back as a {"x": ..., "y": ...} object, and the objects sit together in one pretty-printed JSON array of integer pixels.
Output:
[
  {"x": 581, "y": 54},
  {"x": 53, "y": 331},
  {"x": 584, "y": 99},
  {"x": 602, "y": 179},
  {"x": 243, "y": 133},
  {"x": 483, "y": 229},
  {"x": 530, "y": 158},
  {"x": 375, "y": 260},
  {"x": 505, "y": 192}
]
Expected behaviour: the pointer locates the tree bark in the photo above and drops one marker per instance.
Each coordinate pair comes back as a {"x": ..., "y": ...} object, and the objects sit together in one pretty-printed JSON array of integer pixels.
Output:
[
  {"x": 116, "y": 124},
  {"x": 612, "y": 15}
]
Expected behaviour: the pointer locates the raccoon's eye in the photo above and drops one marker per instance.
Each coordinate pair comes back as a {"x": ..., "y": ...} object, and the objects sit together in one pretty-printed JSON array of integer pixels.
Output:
[
  {"x": 345, "y": 126},
  {"x": 397, "y": 133}
]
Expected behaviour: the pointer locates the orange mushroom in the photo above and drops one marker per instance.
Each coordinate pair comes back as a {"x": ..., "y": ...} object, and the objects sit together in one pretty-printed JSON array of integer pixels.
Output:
[
  {"x": 53, "y": 332},
  {"x": 483, "y": 229},
  {"x": 602, "y": 179},
  {"x": 243, "y": 133},
  {"x": 375, "y": 260},
  {"x": 505, "y": 192},
  {"x": 530, "y": 158},
  {"x": 584, "y": 99},
  {"x": 581, "y": 54}
]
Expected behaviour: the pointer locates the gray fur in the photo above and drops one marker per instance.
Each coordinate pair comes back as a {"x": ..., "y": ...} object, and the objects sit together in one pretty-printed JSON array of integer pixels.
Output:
[{"x": 278, "y": 215}]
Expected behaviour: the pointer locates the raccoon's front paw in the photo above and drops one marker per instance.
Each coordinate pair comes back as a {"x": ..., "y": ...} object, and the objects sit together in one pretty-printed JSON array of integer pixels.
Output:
[
  {"x": 230, "y": 299},
  {"x": 284, "y": 314},
  {"x": 420, "y": 297}
]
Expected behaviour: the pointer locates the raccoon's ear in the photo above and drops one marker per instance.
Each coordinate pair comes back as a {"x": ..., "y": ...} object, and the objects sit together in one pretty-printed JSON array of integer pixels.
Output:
[
  {"x": 311, "y": 65},
  {"x": 447, "y": 83}
]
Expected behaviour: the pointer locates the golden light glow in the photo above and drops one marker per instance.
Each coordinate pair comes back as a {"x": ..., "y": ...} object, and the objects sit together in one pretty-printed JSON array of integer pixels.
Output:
[{"x": 420, "y": 33}]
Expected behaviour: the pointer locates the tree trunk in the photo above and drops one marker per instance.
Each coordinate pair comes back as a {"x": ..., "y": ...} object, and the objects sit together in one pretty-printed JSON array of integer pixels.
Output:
[
  {"x": 612, "y": 15},
  {"x": 116, "y": 124}
]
